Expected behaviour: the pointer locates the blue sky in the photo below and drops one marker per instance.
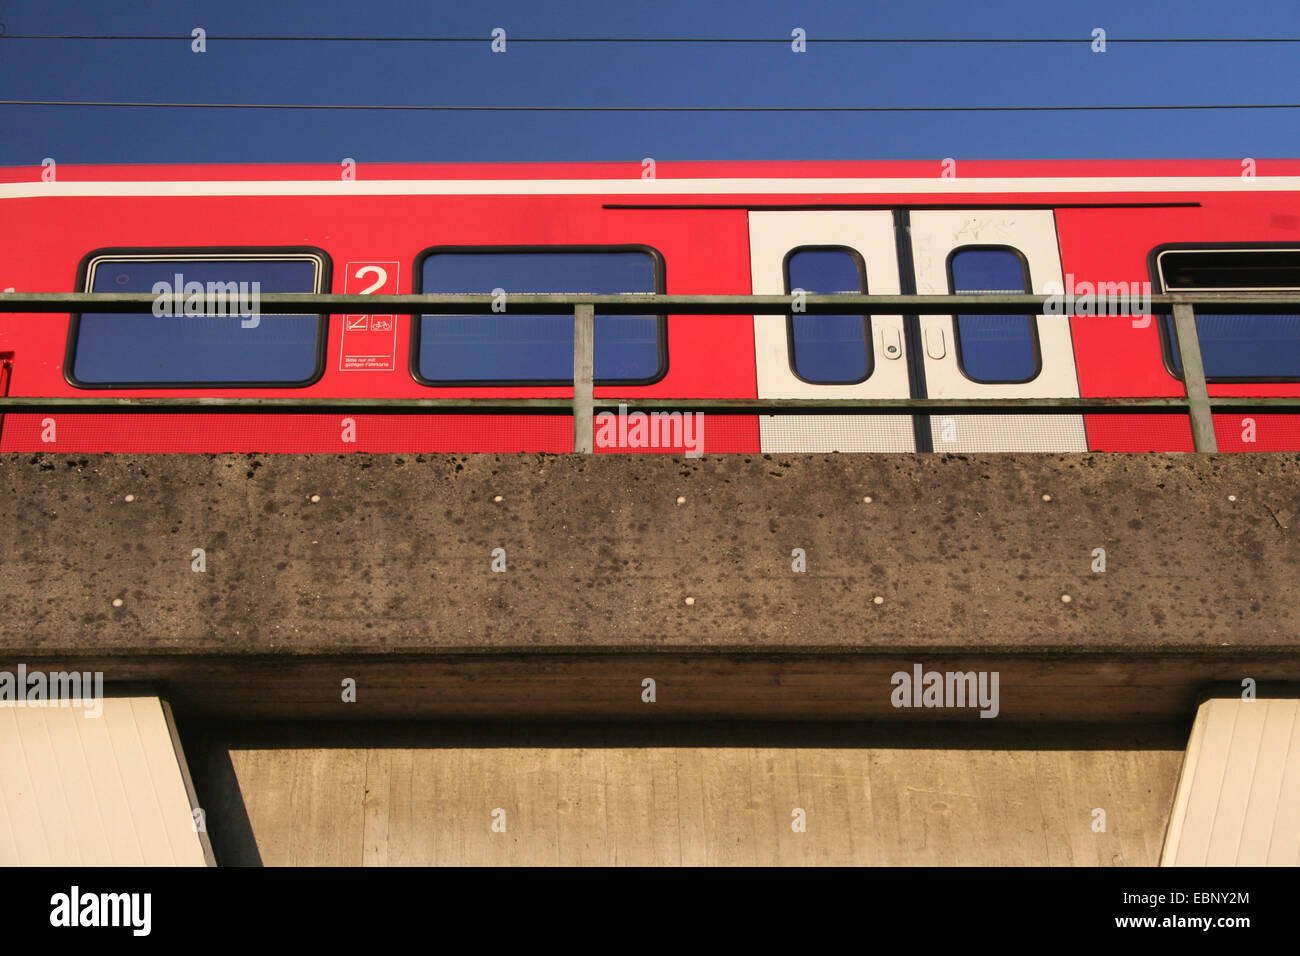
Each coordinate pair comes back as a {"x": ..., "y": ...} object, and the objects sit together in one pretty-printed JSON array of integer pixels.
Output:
[{"x": 686, "y": 74}]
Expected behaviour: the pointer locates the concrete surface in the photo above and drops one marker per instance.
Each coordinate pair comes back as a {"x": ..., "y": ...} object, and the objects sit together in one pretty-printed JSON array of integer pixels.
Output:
[
  {"x": 295, "y": 795},
  {"x": 388, "y": 579}
]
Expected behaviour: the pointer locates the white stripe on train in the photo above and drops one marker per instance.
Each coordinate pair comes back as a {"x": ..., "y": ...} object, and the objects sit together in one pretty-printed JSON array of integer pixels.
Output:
[{"x": 658, "y": 187}]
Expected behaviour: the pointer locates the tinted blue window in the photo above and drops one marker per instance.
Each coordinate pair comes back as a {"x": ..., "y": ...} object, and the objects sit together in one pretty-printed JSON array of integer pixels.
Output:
[
  {"x": 192, "y": 350},
  {"x": 536, "y": 348},
  {"x": 828, "y": 349},
  {"x": 1244, "y": 346},
  {"x": 1235, "y": 346},
  {"x": 993, "y": 348}
]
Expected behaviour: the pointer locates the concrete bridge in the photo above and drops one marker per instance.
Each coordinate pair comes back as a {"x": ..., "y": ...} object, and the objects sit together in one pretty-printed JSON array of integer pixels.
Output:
[{"x": 639, "y": 604}]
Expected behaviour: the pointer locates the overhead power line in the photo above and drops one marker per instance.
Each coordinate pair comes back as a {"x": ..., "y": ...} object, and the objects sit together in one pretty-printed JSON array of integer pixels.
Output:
[
  {"x": 527, "y": 39},
  {"x": 652, "y": 109}
]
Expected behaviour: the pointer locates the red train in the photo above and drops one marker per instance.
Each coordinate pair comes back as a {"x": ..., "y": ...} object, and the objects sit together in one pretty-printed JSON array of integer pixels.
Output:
[{"x": 697, "y": 228}]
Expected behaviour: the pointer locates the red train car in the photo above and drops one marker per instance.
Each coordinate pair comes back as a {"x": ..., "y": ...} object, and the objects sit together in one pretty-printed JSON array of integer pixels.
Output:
[{"x": 688, "y": 228}]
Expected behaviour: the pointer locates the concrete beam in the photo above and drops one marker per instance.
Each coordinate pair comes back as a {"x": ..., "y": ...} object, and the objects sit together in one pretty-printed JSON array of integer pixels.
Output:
[{"x": 384, "y": 565}]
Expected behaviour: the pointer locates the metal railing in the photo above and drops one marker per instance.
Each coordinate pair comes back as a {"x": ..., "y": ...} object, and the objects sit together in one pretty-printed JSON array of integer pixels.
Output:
[{"x": 1195, "y": 401}]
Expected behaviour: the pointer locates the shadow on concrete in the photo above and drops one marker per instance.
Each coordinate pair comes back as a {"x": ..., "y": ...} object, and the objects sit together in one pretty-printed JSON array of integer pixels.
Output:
[
  {"x": 967, "y": 735},
  {"x": 229, "y": 829}
]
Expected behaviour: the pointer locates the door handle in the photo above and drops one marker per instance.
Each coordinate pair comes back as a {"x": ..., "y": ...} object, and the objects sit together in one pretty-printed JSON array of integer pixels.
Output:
[
  {"x": 891, "y": 343},
  {"x": 934, "y": 344}
]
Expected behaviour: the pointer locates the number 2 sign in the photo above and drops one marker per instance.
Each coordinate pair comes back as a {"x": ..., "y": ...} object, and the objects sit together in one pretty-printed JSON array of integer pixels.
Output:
[{"x": 369, "y": 342}]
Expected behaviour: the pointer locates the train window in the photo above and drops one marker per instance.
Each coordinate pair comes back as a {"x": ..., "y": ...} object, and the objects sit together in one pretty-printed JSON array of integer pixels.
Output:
[
  {"x": 993, "y": 348},
  {"x": 538, "y": 349},
  {"x": 1236, "y": 347},
  {"x": 828, "y": 349},
  {"x": 168, "y": 347}
]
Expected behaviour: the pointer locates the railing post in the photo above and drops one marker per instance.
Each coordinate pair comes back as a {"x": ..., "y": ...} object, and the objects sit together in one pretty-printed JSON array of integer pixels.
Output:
[
  {"x": 584, "y": 365},
  {"x": 1198, "y": 397}
]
